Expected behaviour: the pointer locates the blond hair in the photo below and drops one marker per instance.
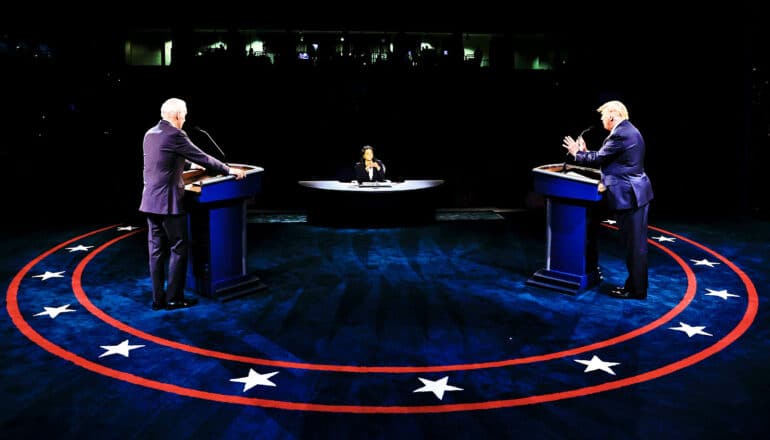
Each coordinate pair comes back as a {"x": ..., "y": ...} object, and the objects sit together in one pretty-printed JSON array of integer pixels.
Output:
[{"x": 614, "y": 108}]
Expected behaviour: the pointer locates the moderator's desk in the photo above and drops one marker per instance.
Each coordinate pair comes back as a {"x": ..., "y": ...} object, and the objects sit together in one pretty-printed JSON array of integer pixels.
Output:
[{"x": 331, "y": 202}]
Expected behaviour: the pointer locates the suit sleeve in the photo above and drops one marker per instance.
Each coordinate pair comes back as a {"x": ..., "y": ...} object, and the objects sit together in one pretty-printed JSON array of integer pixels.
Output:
[
  {"x": 185, "y": 147},
  {"x": 611, "y": 148}
]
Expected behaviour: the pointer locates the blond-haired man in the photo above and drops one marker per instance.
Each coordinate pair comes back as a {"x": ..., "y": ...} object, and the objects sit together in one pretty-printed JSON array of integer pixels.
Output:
[{"x": 627, "y": 189}]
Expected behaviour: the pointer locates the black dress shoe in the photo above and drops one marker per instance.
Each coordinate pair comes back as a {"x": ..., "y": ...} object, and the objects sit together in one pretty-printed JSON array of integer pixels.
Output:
[
  {"x": 180, "y": 304},
  {"x": 158, "y": 306},
  {"x": 622, "y": 293}
]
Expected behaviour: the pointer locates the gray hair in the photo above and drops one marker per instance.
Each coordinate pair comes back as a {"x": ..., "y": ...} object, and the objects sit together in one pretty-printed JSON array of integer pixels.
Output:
[{"x": 171, "y": 107}]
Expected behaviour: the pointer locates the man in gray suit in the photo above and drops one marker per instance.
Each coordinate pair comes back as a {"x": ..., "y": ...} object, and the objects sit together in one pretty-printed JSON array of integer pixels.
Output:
[
  {"x": 627, "y": 187},
  {"x": 167, "y": 151}
]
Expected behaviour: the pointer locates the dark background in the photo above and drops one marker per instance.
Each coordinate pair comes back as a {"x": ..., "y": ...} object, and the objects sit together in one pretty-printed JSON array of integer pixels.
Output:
[{"x": 72, "y": 124}]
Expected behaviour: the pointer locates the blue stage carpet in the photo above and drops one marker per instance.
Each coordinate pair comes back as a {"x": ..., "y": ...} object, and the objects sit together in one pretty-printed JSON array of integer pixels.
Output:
[{"x": 420, "y": 332}]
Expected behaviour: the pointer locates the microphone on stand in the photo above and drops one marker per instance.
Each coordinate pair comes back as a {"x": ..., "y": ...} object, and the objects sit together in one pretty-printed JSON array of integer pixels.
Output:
[
  {"x": 585, "y": 131},
  {"x": 196, "y": 128},
  {"x": 580, "y": 136}
]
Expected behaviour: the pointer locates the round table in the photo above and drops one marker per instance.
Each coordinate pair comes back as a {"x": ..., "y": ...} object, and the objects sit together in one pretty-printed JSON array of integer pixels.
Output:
[{"x": 331, "y": 202}]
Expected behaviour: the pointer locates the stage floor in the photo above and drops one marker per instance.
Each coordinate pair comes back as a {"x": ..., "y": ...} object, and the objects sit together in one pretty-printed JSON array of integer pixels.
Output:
[{"x": 415, "y": 332}]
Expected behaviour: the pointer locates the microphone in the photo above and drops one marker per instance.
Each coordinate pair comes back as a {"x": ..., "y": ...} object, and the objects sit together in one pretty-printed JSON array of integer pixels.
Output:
[
  {"x": 196, "y": 128},
  {"x": 564, "y": 166},
  {"x": 585, "y": 131}
]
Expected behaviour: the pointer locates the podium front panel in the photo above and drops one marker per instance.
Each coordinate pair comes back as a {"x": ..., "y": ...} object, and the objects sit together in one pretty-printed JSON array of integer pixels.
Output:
[
  {"x": 217, "y": 224},
  {"x": 571, "y": 194}
]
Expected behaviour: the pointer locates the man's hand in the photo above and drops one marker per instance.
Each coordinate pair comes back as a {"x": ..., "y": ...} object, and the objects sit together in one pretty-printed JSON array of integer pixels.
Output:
[
  {"x": 238, "y": 173},
  {"x": 581, "y": 143},
  {"x": 571, "y": 145}
]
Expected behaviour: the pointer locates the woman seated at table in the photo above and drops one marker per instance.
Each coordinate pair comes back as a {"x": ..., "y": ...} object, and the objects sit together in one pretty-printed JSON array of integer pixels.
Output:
[{"x": 369, "y": 169}]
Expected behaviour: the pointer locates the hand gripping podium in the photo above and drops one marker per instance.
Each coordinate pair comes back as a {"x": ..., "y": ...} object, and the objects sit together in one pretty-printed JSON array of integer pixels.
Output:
[
  {"x": 216, "y": 207},
  {"x": 571, "y": 194}
]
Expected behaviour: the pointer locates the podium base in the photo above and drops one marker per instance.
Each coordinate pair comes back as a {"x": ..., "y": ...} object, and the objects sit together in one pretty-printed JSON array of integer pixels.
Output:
[
  {"x": 246, "y": 286},
  {"x": 563, "y": 282}
]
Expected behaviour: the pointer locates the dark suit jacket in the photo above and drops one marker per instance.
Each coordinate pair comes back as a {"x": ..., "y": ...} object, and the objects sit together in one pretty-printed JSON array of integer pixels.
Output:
[
  {"x": 165, "y": 150},
  {"x": 363, "y": 176},
  {"x": 621, "y": 160}
]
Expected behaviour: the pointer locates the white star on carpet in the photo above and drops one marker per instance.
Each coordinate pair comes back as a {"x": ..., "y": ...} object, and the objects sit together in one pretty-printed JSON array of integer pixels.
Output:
[
  {"x": 53, "y": 312},
  {"x": 122, "y": 349},
  {"x": 79, "y": 247},
  {"x": 691, "y": 330},
  {"x": 437, "y": 387},
  {"x": 47, "y": 275},
  {"x": 127, "y": 228},
  {"x": 254, "y": 379},
  {"x": 724, "y": 294},
  {"x": 597, "y": 364},
  {"x": 661, "y": 239},
  {"x": 704, "y": 262},
  {"x": 609, "y": 222}
]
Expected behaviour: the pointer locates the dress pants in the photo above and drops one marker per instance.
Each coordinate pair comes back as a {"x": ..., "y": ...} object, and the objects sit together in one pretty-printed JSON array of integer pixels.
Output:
[
  {"x": 167, "y": 243},
  {"x": 632, "y": 224}
]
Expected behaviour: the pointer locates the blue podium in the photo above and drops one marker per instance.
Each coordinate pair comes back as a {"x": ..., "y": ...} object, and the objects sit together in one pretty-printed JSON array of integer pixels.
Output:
[
  {"x": 571, "y": 194},
  {"x": 216, "y": 207}
]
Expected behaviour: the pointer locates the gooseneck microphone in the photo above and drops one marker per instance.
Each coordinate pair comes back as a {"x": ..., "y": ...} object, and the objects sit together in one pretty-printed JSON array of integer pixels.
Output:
[
  {"x": 585, "y": 131},
  {"x": 564, "y": 166},
  {"x": 196, "y": 128}
]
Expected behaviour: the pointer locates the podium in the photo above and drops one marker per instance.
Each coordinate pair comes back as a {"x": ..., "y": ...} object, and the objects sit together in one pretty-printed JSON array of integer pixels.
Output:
[
  {"x": 216, "y": 213},
  {"x": 571, "y": 193}
]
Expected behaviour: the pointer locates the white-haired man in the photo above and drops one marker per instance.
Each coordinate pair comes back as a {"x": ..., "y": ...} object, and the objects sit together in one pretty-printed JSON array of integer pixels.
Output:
[{"x": 167, "y": 150}]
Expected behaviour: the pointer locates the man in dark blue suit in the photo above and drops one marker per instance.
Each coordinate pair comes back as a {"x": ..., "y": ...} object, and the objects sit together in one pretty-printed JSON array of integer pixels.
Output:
[
  {"x": 628, "y": 189},
  {"x": 167, "y": 151}
]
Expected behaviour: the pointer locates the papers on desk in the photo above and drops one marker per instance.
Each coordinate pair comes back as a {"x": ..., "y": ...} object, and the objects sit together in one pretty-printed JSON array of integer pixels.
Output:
[{"x": 374, "y": 184}]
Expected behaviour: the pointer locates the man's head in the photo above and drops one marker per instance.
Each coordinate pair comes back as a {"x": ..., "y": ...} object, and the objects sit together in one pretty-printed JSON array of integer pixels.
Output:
[
  {"x": 174, "y": 110},
  {"x": 613, "y": 112}
]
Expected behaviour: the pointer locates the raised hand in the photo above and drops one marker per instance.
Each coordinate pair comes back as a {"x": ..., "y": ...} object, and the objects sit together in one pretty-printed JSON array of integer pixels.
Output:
[{"x": 571, "y": 145}]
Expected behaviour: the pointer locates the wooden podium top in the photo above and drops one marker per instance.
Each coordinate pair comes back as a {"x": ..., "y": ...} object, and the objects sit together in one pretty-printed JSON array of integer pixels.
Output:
[
  {"x": 570, "y": 172},
  {"x": 194, "y": 180},
  {"x": 568, "y": 181}
]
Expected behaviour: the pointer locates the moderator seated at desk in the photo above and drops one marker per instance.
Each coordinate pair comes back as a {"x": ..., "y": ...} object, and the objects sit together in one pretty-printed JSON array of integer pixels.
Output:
[{"x": 348, "y": 203}]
